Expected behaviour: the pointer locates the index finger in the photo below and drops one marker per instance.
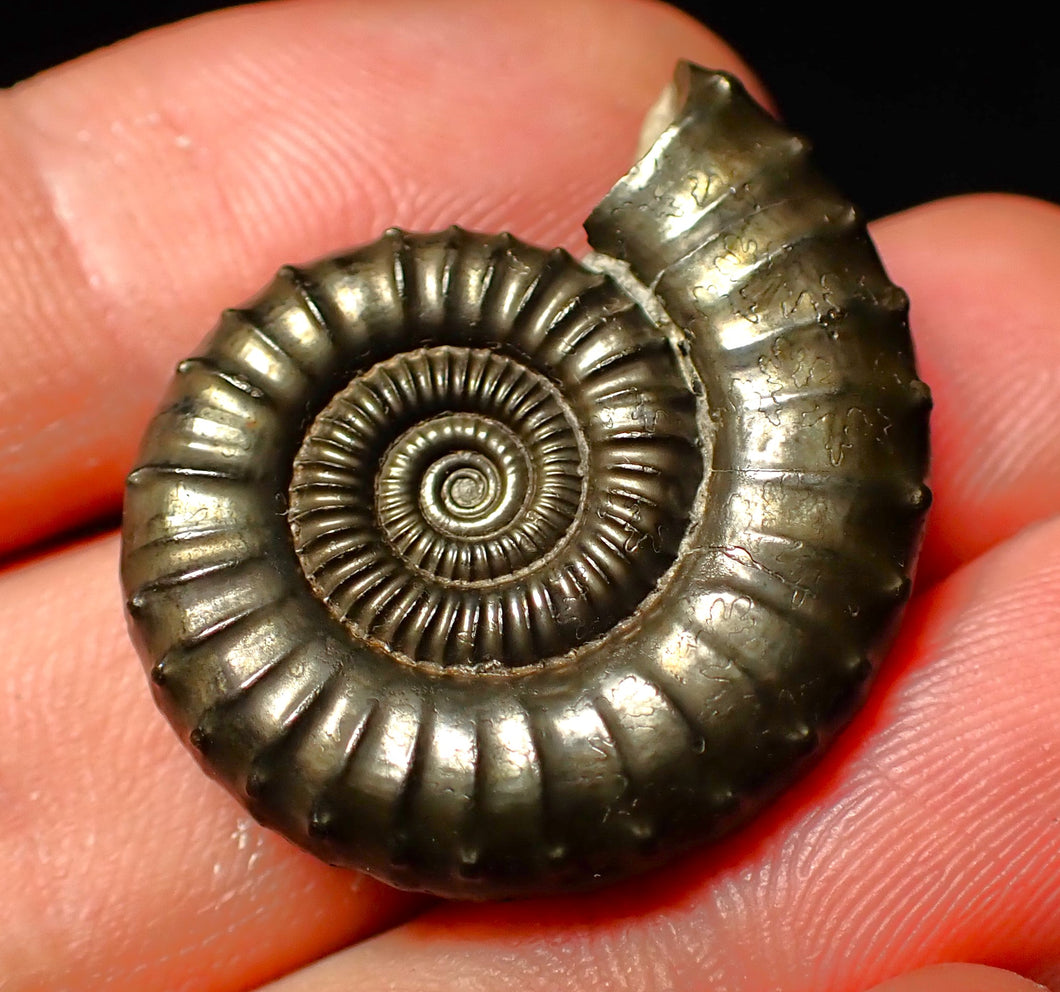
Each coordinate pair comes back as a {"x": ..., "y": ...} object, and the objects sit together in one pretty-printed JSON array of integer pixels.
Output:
[{"x": 143, "y": 189}]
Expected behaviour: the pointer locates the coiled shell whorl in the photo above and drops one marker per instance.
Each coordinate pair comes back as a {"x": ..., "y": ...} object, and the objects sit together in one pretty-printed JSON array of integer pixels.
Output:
[{"x": 493, "y": 573}]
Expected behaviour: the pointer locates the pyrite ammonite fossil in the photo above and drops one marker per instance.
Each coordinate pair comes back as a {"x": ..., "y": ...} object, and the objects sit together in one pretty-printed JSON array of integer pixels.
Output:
[{"x": 494, "y": 573}]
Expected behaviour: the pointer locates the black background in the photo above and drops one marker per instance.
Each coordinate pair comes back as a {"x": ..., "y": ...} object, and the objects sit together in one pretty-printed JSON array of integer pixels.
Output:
[{"x": 902, "y": 105}]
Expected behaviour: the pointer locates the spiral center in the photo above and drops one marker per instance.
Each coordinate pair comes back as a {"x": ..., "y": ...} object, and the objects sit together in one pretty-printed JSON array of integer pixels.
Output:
[
  {"x": 466, "y": 491},
  {"x": 469, "y": 492},
  {"x": 463, "y": 487}
]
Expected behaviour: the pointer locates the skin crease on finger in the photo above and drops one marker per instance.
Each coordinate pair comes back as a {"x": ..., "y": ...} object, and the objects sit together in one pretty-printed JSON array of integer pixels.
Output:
[{"x": 123, "y": 866}]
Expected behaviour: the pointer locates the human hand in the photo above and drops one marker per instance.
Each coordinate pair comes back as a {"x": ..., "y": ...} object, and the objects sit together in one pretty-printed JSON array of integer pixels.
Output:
[{"x": 146, "y": 187}]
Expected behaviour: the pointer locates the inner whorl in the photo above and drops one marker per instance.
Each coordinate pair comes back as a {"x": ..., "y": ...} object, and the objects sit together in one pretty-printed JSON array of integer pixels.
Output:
[{"x": 497, "y": 507}]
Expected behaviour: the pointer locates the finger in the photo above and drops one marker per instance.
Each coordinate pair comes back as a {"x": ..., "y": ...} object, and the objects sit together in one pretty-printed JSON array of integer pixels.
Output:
[
  {"x": 960, "y": 978},
  {"x": 122, "y": 865},
  {"x": 150, "y": 185},
  {"x": 981, "y": 274},
  {"x": 932, "y": 820}
]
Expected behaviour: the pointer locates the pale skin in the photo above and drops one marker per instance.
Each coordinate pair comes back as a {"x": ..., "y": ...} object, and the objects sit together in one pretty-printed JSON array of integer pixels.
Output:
[{"x": 147, "y": 186}]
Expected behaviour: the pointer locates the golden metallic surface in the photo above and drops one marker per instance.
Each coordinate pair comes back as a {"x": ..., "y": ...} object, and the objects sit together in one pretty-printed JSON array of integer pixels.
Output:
[{"x": 493, "y": 573}]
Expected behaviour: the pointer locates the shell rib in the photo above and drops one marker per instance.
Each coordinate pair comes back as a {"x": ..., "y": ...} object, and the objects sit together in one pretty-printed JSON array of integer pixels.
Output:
[{"x": 492, "y": 573}]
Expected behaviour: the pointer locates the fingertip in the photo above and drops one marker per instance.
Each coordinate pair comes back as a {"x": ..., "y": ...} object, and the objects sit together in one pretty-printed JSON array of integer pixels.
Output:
[
  {"x": 693, "y": 39},
  {"x": 954, "y": 218},
  {"x": 980, "y": 272},
  {"x": 959, "y": 978}
]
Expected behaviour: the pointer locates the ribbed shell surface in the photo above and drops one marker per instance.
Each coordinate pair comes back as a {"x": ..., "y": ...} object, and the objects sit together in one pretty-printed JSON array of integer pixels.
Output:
[{"x": 493, "y": 573}]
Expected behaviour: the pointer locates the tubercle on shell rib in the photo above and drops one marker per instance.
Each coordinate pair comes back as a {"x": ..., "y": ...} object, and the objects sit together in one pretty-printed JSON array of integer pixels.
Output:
[{"x": 492, "y": 573}]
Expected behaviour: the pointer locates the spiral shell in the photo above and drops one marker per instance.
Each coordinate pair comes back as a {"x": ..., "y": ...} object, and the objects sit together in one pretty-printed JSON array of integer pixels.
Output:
[{"x": 494, "y": 573}]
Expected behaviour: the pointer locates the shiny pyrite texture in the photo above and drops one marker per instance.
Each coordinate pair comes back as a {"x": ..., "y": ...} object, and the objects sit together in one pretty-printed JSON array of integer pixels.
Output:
[{"x": 495, "y": 573}]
